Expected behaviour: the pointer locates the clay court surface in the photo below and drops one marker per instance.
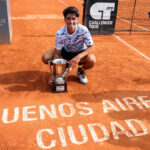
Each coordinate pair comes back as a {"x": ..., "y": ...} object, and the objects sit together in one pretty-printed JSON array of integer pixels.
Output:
[{"x": 111, "y": 112}]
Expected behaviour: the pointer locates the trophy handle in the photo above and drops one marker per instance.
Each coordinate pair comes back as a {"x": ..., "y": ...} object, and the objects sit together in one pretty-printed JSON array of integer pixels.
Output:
[
  {"x": 49, "y": 63},
  {"x": 66, "y": 70}
]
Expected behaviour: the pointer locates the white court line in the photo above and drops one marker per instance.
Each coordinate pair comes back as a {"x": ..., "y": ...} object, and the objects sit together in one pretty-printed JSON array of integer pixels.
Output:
[
  {"x": 79, "y": 1},
  {"x": 133, "y": 48},
  {"x": 33, "y": 17},
  {"x": 63, "y": 2},
  {"x": 134, "y": 24}
]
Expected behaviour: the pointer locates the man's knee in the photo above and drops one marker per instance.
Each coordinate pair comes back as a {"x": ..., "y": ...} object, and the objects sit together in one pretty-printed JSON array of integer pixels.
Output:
[
  {"x": 45, "y": 59},
  {"x": 91, "y": 58},
  {"x": 47, "y": 56},
  {"x": 90, "y": 61}
]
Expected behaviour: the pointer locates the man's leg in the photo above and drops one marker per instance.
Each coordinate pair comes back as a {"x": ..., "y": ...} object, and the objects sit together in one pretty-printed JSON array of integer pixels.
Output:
[
  {"x": 48, "y": 55},
  {"x": 88, "y": 63}
]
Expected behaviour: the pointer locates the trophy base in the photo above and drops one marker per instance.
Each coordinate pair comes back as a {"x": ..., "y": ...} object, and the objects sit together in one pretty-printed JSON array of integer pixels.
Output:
[{"x": 59, "y": 88}]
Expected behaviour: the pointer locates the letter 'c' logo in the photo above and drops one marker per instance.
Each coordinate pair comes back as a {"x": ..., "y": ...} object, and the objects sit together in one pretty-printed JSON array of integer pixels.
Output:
[{"x": 102, "y": 11}]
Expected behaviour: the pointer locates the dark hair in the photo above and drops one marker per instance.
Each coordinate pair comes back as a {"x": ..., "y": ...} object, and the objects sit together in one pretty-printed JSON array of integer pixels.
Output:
[{"x": 71, "y": 10}]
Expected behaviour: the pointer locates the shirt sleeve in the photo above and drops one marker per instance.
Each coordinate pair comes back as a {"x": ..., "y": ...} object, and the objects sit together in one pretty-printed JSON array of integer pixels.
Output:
[
  {"x": 87, "y": 37},
  {"x": 58, "y": 42}
]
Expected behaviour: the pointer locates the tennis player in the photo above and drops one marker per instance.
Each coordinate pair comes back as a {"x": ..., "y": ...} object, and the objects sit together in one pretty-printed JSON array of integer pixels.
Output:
[{"x": 74, "y": 43}]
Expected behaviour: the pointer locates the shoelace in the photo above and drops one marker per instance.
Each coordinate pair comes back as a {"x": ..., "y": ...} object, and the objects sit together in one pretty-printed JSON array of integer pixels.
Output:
[{"x": 82, "y": 73}]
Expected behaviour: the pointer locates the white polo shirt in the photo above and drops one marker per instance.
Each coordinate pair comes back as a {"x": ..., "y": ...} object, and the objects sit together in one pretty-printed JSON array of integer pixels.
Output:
[{"x": 75, "y": 42}]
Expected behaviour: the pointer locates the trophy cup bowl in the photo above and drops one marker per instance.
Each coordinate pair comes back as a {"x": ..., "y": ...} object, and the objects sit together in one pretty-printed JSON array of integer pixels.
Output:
[
  {"x": 59, "y": 66},
  {"x": 59, "y": 71}
]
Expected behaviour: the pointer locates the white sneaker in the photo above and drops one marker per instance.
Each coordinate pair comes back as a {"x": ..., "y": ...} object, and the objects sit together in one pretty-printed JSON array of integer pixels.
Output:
[{"x": 81, "y": 74}]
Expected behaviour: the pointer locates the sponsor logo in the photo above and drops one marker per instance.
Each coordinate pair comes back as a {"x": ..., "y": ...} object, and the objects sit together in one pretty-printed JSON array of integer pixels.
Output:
[{"x": 102, "y": 11}]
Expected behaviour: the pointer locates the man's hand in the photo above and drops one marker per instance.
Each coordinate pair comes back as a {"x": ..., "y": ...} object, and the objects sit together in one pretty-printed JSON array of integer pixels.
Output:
[
  {"x": 74, "y": 61},
  {"x": 50, "y": 80}
]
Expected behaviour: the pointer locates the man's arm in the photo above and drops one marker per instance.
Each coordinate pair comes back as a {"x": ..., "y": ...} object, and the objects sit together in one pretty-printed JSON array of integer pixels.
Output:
[
  {"x": 89, "y": 50},
  {"x": 57, "y": 53}
]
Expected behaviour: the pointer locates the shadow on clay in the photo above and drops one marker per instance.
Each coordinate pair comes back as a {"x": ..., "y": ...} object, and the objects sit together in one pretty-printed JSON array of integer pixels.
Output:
[
  {"x": 29, "y": 81},
  {"x": 26, "y": 81}
]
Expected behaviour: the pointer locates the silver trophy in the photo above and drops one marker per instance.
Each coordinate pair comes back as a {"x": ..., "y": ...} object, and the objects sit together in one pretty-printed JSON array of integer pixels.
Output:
[{"x": 59, "y": 68}]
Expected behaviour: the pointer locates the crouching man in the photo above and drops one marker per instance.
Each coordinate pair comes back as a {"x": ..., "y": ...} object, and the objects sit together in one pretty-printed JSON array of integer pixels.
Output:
[{"x": 74, "y": 43}]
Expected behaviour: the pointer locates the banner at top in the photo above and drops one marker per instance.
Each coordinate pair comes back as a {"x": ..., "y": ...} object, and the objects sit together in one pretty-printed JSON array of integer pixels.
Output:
[{"x": 100, "y": 16}]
